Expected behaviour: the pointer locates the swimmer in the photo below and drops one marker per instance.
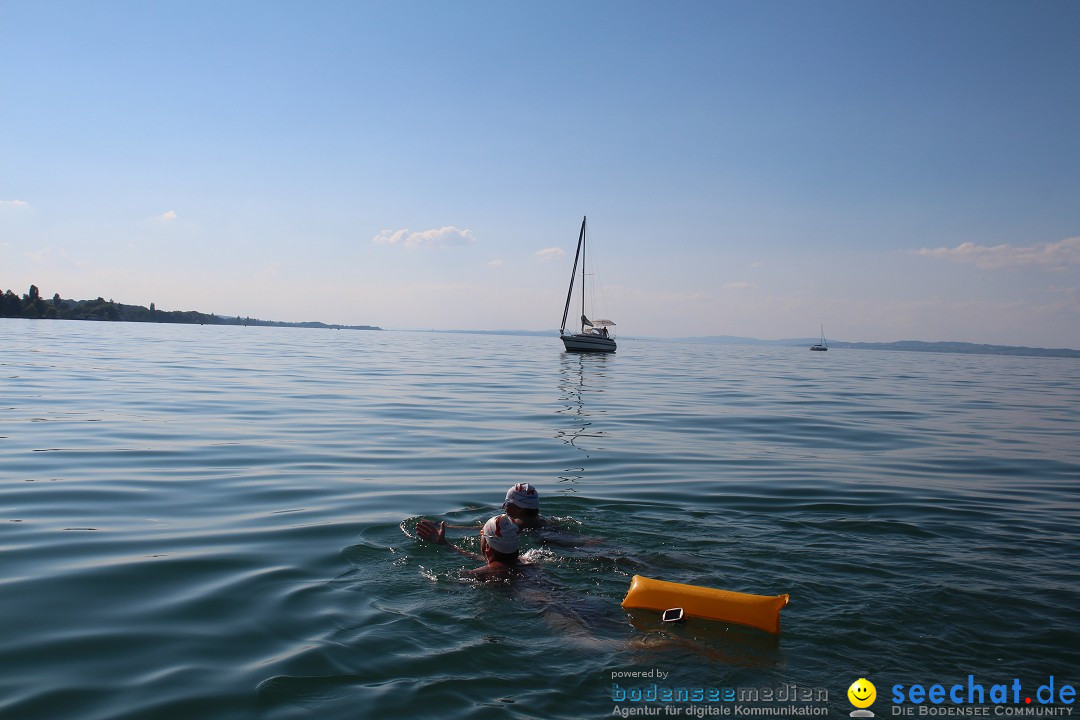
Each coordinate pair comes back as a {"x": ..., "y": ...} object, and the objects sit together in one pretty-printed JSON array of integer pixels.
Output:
[
  {"x": 522, "y": 504},
  {"x": 499, "y": 543}
]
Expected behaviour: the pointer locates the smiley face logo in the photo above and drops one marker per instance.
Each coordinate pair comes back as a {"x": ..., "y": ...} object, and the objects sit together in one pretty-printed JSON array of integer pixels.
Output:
[{"x": 862, "y": 693}]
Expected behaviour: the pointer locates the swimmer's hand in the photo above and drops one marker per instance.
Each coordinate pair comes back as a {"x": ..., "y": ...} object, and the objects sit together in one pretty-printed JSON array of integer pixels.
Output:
[{"x": 431, "y": 532}]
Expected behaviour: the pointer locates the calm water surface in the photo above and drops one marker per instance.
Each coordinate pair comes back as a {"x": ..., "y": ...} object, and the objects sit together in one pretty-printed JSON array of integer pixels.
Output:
[{"x": 213, "y": 522}]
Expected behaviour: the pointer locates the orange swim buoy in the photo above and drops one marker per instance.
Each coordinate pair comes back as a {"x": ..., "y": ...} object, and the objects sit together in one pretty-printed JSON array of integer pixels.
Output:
[{"x": 760, "y": 611}]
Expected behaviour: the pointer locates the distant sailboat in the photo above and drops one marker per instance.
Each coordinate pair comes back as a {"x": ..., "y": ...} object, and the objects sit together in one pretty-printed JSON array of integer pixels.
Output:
[
  {"x": 594, "y": 335},
  {"x": 821, "y": 346}
]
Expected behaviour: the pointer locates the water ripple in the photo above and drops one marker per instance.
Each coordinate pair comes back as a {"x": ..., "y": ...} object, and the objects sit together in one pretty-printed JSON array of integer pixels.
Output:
[{"x": 217, "y": 521}]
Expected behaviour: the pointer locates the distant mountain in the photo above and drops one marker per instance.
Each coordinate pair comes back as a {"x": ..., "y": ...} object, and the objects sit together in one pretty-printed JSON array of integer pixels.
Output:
[
  {"x": 278, "y": 323},
  {"x": 531, "y": 333},
  {"x": 960, "y": 347},
  {"x": 736, "y": 340},
  {"x": 902, "y": 345}
]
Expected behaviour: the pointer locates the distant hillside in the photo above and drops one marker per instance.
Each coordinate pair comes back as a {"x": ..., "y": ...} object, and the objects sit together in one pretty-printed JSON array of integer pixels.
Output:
[
  {"x": 33, "y": 306},
  {"x": 527, "y": 333},
  {"x": 737, "y": 340},
  {"x": 960, "y": 347},
  {"x": 903, "y": 345}
]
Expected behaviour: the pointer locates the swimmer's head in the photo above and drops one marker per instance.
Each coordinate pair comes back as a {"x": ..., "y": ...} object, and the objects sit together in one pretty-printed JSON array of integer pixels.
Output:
[
  {"x": 501, "y": 536},
  {"x": 524, "y": 497}
]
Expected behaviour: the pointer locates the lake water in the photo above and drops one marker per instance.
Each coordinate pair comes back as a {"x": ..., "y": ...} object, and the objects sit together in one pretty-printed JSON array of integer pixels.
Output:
[{"x": 213, "y": 522}]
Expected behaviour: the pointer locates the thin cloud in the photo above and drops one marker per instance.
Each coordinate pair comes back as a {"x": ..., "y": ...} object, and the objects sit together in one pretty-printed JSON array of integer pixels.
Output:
[
  {"x": 551, "y": 253},
  {"x": 495, "y": 263},
  {"x": 271, "y": 269},
  {"x": 14, "y": 204},
  {"x": 51, "y": 255},
  {"x": 740, "y": 286},
  {"x": 170, "y": 215},
  {"x": 1051, "y": 256},
  {"x": 448, "y": 236}
]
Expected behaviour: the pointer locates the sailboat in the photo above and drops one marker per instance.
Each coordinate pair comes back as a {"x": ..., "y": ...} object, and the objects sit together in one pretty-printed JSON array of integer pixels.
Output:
[
  {"x": 594, "y": 335},
  {"x": 821, "y": 346}
]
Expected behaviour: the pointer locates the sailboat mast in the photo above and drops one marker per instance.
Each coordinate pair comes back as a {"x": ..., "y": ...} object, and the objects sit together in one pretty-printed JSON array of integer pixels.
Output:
[
  {"x": 582, "y": 274},
  {"x": 573, "y": 273}
]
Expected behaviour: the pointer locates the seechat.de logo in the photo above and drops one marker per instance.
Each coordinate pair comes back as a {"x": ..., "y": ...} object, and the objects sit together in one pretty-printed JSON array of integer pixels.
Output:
[{"x": 862, "y": 694}]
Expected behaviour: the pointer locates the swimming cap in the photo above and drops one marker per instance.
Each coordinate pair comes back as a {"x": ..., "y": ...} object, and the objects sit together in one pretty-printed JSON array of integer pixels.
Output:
[
  {"x": 501, "y": 534},
  {"x": 524, "y": 496}
]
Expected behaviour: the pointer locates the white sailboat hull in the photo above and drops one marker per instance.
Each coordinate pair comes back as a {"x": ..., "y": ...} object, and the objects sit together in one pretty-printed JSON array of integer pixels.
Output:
[{"x": 588, "y": 343}]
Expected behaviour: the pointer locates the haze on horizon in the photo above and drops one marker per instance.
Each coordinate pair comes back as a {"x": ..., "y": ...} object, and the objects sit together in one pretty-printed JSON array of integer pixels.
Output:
[{"x": 894, "y": 171}]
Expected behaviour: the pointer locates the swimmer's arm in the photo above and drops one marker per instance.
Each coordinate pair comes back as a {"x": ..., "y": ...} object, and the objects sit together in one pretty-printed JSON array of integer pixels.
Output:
[
  {"x": 566, "y": 540},
  {"x": 431, "y": 532},
  {"x": 466, "y": 553},
  {"x": 487, "y": 572}
]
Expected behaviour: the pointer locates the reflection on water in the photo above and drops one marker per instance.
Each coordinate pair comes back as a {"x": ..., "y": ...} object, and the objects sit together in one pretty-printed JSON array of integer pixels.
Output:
[
  {"x": 582, "y": 380},
  {"x": 705, "y": 640}
]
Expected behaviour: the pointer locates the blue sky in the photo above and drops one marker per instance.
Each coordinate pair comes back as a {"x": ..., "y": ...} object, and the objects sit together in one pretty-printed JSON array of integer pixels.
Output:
[{"x": 904, "y": 170}]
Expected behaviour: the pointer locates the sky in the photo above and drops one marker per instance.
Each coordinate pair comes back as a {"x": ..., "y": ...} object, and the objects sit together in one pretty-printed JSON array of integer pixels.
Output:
[{"x": 889, "y": 170}]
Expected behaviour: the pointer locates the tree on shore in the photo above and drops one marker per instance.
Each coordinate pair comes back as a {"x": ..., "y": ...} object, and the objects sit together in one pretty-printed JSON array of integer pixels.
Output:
[
  {"x": 32, "y": 306},
  {"x": 10, "y": 306}
]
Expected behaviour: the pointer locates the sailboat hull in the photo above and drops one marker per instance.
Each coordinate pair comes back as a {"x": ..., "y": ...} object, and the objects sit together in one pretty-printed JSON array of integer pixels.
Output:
[{"x": 588, "y": 343}]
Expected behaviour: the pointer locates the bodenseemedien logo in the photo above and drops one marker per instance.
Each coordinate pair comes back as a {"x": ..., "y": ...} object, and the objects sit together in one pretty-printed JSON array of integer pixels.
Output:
[{"x": 862, "y": 694}]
